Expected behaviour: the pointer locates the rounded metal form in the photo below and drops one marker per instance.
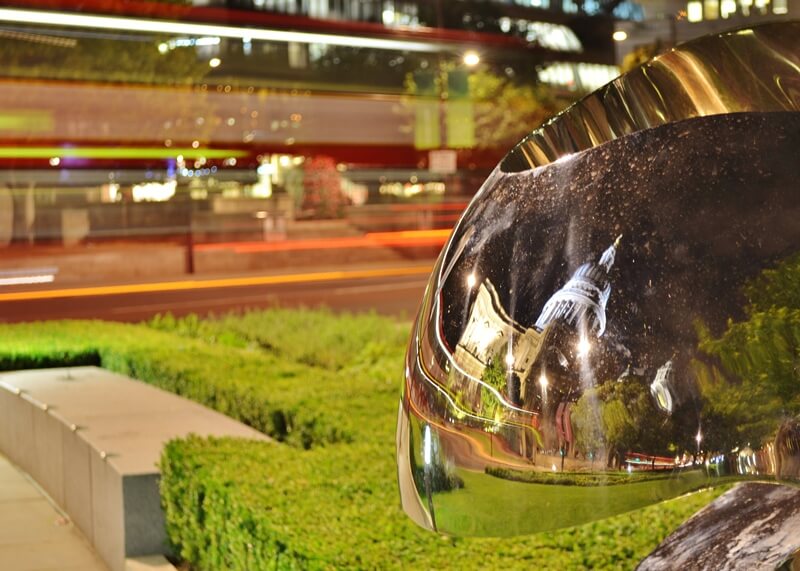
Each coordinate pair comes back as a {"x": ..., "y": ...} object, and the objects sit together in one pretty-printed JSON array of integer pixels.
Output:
[{"x": 615, "y": 320}]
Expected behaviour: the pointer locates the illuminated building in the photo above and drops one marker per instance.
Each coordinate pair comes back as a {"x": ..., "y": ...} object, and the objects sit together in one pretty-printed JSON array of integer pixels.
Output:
[
  {"x": 198, "y": 122},
  {"x": 490, "y": 333},
  {"x": 582, "y": 300},
  {"x": 666, "y": 23},
  {"x": 662, "y": 386}
]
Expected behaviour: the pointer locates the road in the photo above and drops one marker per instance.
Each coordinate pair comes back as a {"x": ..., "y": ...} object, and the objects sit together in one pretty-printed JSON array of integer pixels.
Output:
[{"x": 390, "y": 291}]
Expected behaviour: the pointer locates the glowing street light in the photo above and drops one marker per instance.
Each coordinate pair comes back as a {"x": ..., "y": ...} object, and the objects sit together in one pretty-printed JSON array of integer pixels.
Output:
[
  {"x": 427, "y": 446},
  {"x": 214, "y": 62},
  {"x": 543, "y": 383},
  {"x": 619, "y": 36},
  {"x": 175, "y": 28},
  {"x": 471, "y": 59},
  {"x": 584, "y": 346}
]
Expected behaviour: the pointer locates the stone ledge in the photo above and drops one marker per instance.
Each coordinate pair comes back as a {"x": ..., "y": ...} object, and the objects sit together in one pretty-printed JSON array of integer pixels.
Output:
[
  {"x": 753, "y": 526},
  {"x": 92, "y": 440}
]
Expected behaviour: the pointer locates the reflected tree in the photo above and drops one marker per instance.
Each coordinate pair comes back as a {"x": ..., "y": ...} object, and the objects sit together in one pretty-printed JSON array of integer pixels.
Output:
[
  {"x": 588, "y": 425},
  {"x": 751, "y": 374}
]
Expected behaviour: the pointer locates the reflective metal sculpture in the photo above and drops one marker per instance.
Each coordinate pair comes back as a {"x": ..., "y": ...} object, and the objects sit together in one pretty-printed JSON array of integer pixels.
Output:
[{"x": 615, "y": 320}]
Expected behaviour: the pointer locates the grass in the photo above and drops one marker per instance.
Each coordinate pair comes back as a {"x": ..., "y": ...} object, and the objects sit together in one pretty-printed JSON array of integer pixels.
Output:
[
  {"x": 506, "y": 502},
  {"x": 324, "y": 495}
]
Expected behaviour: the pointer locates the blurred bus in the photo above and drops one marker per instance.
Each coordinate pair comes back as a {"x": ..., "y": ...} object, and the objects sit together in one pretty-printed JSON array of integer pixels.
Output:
[{"x": 215, "y": 129}]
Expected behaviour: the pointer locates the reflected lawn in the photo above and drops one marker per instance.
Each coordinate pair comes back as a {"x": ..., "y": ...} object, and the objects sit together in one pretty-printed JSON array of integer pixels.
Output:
[{"x": 511, "y": 507}]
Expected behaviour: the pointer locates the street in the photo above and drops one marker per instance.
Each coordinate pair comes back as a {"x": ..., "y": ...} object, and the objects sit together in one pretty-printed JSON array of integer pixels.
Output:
[{"x": 393, "y": 291}]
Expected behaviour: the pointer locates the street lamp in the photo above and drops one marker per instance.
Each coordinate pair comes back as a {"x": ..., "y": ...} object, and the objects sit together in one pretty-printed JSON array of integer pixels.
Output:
[
  {"x": 584, "y": 346},
  {"x": 471, "y": 59},
  {"x": 698, "y": 438}
]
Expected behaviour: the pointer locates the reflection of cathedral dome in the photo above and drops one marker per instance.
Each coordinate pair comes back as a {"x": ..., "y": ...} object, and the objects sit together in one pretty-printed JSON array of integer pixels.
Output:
[
  {"x": 584, "y": 297},
  {"x": 661, "y": 387}
]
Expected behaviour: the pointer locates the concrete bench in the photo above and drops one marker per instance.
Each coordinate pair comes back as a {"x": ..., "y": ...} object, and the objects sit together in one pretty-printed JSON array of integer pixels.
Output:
[{"x": 92, "y": 440}]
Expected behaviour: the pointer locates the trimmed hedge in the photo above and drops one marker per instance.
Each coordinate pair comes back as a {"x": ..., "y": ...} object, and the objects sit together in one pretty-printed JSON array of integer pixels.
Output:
[
  {"x": 313, "y": 337},
  {"x": 587, "y": 479},
  {"x": 244, "y": 505},
  {"x": 289, "y": 401}
]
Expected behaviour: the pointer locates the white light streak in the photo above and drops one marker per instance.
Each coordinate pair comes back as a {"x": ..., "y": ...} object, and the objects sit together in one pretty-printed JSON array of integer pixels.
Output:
[
  {"x": 26, "y": 280},
  {"x": 427, "y": 445},
  {"x": 584, "y": 346},
  {"x": 88, "y": 21}
]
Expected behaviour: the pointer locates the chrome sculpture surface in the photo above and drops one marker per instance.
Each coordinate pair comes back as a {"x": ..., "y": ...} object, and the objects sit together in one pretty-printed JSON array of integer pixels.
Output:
[{"x": 615, "y": 320}]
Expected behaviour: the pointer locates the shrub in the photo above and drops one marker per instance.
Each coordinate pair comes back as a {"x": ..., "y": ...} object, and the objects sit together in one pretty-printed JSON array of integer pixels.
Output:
[
  {"x": 289, "y": 401},
  {"x": 314, "y": 337},
  {"x": 242, "y": 505}
]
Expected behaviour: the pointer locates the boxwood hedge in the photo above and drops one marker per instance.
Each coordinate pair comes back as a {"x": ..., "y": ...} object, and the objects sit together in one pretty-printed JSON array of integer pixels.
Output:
[
  {"x": 244, "y": 505},
  {"x": 290, "y": 401},
  {"x": 324, "y": 497}
]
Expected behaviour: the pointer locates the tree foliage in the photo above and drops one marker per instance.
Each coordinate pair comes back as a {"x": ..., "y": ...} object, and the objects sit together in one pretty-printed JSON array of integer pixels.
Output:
[
  {"x": 774, "y": 288},
  {"x": 587, "y": 423},
  {"x": 322, "y": 184},
  {"x": 641, "y": 54},
  {"x": 505, "y": 109},
  {"x": 751, "y": 374}
]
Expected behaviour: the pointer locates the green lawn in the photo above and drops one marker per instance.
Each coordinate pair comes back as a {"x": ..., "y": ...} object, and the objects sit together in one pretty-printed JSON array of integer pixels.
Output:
[
  {"x": 324, "y": 495},
  {"x": 505, "y": 501}
]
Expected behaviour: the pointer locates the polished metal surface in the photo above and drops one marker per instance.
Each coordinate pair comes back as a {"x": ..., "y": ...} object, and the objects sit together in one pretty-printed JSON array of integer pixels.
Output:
[
  {"x": 615, "y": 320},
  {"x": 752, "y": 69}
]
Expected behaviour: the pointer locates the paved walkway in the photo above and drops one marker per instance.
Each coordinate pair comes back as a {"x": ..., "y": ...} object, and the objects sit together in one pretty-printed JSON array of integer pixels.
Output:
[{"x": 34, "y": 536}]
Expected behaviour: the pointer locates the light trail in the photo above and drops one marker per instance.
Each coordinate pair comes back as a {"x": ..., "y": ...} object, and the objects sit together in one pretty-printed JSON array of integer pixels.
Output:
[
  {"x": 172, "y": 28},
  {"x": 188, "y": 285},
  {"x": 409, "y": 238}
]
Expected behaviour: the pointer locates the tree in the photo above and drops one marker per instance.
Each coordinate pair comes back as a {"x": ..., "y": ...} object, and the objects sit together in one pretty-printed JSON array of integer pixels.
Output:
[
  {"x": 587, "y": 420},
  {"x": 777, "y": 287},
  {"x": 639, "y": 55},
  {"x": 620, "y": 431},
  {"x": 505, "y": 110},
  {"x": 619, "y": 417},
  {"x": 323, "y": 196},
  {"x": 495, "y": 374},
  {"x": 750, "y": 376}
]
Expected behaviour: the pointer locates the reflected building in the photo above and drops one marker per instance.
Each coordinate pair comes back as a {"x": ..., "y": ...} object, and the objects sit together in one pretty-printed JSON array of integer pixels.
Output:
[
  {"x": 490, "y": 333},
  {"x": 787, "y": 450},
  {"x": 583, "y": 299},
  {"x": 663, "y": 385}
]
